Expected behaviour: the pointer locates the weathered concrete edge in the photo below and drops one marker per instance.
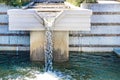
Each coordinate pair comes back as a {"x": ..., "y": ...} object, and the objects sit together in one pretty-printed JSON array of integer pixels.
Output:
[{"x": 117, "y": 51}]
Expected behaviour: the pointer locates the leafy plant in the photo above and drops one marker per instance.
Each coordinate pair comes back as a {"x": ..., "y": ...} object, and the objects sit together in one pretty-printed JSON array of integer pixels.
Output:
[
  {"x": 15, "y": 2},
  {"x": 78, "y": 2},
  {"x": 90, "y": 1}
]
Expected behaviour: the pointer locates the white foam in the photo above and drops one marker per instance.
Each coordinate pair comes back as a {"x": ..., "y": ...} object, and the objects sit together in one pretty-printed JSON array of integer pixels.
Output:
[{"x": 45, "y": 76}]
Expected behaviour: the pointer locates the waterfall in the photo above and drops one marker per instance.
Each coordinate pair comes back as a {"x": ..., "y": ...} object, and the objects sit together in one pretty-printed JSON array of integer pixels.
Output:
[{"x": 48, "y": 50}]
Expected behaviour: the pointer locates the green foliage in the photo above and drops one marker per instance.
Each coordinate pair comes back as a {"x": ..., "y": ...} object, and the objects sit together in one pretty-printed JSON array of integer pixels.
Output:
[
  {"x": 78, "y": 2},
  {"x": 15, "y": 2},
  {"x": 90, "y": 1}
]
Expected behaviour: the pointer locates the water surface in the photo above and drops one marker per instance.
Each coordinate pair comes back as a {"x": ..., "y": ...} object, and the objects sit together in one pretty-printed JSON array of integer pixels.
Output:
[{"x": 81, "y": 66}]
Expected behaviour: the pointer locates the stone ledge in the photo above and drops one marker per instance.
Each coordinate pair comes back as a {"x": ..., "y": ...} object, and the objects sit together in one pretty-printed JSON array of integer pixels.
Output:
[{"x": 66, "y": 20}]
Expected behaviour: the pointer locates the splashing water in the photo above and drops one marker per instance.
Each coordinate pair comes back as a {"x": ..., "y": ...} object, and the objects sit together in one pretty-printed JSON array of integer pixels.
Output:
[
  {"x": 44, "y": 76},
  {"x": 48, "y": 50}
]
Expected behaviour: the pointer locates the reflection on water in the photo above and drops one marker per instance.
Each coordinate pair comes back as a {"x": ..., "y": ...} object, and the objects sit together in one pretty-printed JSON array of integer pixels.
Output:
[{"x": 81, "y": 66}]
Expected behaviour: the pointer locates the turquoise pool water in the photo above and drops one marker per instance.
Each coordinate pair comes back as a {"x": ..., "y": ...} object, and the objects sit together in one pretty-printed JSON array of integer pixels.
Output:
[{"x": 81, "y": 66}]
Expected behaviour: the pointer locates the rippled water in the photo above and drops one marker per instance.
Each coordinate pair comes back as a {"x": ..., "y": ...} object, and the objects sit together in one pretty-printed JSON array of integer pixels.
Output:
[{"x": 81, "y": 66}]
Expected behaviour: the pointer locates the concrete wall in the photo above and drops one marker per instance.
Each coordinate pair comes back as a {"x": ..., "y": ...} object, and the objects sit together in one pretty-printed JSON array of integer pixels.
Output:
[
  {"x": 104, "y": 34},
  {"x": 11, "y": 40},
  {"x": 105, "y": 30}
]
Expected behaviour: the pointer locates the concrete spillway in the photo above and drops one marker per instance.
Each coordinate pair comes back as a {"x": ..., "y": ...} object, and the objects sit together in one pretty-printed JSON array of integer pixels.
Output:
[{"x": 65, "y": 20}]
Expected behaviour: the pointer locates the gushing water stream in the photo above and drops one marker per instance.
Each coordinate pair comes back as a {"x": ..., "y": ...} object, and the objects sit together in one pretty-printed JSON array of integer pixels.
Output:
[{"x": 48, "y": 50}]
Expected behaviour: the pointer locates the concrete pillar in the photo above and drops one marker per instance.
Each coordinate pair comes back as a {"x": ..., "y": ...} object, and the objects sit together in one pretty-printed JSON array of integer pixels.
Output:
[
  {"x": 60, "y": 45},
  {"x": 37, "y": 45}
]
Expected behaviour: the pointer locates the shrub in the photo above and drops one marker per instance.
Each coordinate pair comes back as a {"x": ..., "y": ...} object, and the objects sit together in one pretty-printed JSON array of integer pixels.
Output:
[
  {"x": 90, "y": 1},
  {"x": 78, "y": 2},
  {"x": 15, "y": 2}
]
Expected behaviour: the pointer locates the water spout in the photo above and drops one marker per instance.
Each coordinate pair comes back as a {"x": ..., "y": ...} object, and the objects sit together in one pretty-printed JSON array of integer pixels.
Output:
[{"x": 48, "y": 48}]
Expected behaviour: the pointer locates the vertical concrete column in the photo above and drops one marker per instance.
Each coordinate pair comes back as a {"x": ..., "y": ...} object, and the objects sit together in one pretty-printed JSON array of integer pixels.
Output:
[
  {"x": 37, "y": 39},
  {"x": 60, "y": 45}
]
